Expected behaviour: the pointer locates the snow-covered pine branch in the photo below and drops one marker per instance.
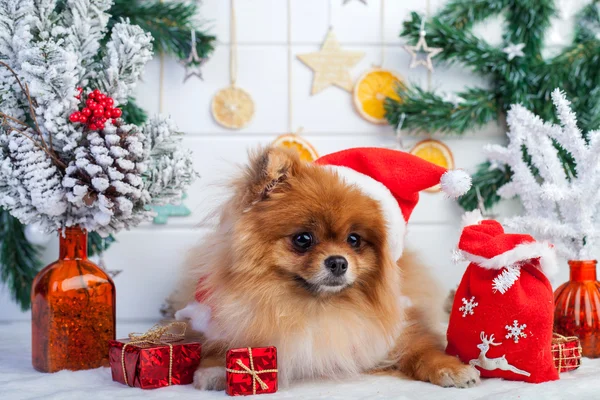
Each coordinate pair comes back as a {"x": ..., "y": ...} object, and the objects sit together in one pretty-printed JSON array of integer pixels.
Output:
[
  {"x": 29, "y": 181},
  {"x": 560, "y": 206},
  {"x": 128, "y": 51},
  {"x": 15, "y": 18},
  {"x": 85, "y": 22},
  {"x": 170, "y": 168}
]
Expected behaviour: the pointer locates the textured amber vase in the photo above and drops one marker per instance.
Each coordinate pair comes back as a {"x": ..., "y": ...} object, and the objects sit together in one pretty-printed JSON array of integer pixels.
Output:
[
  {"x": 73, "y": 309},
  {"x": 577, "y": 307}
]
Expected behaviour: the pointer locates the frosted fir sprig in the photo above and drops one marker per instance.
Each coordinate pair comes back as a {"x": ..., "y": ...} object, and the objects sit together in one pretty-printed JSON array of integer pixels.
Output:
[
  {"x": 85, "y": 22},
  {"x": 127, "y": 53},
  {"x": 171, "y": 168},
  {"x": 55, "y": 169},
  {"x": 560, "y": 206}
]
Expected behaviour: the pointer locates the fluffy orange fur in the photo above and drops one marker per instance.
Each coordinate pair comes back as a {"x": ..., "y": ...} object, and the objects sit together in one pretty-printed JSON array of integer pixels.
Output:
[{"x": 259, "y": 287}]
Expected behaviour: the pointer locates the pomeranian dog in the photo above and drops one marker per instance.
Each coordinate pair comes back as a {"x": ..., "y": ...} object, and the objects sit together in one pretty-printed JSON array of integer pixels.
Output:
[{"x": 299, "y": 260}]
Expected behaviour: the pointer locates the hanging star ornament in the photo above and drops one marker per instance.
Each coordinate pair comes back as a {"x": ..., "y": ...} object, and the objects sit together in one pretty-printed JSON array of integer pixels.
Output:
[
  {"x": 331, "y": 65},
  {"x": 194, "y": 62},
  {"x": 421, "y": 53}
]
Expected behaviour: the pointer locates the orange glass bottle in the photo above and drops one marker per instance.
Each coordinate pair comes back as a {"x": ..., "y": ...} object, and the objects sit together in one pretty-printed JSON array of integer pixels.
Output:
[
  {"x": 72, "y": 309},
  {"x": 577, "y": 307}
]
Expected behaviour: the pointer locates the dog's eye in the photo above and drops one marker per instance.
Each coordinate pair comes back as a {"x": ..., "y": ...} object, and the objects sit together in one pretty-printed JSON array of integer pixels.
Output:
[
  {"x": 302, "y": 241},
  {"x": 353, "y": 240}
]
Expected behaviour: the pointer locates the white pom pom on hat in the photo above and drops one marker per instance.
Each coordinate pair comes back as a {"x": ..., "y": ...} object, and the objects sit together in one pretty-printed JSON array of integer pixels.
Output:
[{"x": 394, "y": 178}]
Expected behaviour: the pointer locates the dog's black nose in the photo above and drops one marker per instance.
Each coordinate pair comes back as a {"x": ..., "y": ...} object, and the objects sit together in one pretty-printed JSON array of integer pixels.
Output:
[{"x": 338, "y": 265}]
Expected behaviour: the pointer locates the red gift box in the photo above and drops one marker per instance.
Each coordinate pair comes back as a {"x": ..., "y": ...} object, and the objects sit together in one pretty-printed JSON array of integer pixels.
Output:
[
  {"x": 252, "y": 370},
  {"x": 154, "y": 360},
  {"x": 566, "y": 352}
]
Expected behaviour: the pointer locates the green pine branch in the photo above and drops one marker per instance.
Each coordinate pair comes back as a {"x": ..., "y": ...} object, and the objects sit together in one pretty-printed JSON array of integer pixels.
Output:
[
  {"x": 463, "y": 14},
  {"x": 527, "y": 80},
  {"x": 97, "y": 244},
  {"x": 426, "y": 111},
  {"x": 527, "y": 22},
  {"x": 487, "y": 180},
  {"x": 169, "y": 23},
  {"x": 459, "y": 46},
  {"x": 19, "y": 260},
  {"x": 132, "y": 113}
]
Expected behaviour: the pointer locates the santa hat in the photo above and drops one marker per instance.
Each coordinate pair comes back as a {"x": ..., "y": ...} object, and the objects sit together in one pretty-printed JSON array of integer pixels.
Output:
[
  {"x": 394, "y": 178},
  {"x": 485, "y": 243}
]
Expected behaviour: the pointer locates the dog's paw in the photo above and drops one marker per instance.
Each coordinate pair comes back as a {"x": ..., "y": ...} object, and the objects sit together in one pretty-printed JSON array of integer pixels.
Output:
[
  {"x": 211, "y": 378},
  {"x": 459, "y": 375}
]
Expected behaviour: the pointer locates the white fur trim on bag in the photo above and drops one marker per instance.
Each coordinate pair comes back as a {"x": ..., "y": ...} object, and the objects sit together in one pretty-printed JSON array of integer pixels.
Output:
[
  {"x": 395, "y": 223},
  {"x": 522, "y": 252}
]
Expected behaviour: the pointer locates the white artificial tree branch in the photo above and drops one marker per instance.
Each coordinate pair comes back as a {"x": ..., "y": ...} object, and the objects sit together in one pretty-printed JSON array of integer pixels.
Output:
[{"x": 559, "y": 207}]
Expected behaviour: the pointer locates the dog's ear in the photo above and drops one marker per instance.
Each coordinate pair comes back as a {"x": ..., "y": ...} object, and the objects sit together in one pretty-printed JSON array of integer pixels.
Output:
[{"x": 268, "y": 171}]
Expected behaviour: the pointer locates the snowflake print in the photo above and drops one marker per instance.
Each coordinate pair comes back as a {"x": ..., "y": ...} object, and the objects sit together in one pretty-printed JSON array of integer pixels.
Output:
[
  {"x": 516, "y": 331},
  {"x": 468, "y": 306}
]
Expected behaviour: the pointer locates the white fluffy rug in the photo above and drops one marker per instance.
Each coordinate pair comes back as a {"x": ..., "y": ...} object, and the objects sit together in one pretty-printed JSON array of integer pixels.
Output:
[{"x": 18, "y": 380}]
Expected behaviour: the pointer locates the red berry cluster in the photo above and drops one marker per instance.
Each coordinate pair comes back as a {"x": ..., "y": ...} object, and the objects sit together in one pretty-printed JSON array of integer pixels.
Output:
[{"x": 99, "y": 109}]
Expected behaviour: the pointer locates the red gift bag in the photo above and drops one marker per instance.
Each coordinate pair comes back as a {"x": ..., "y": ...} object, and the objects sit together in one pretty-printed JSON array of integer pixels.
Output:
[{"x": 501, "y": 319}]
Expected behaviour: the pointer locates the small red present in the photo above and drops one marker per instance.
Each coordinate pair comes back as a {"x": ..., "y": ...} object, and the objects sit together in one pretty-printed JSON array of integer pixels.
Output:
[
  {"x": 155, "y": 359},
  {"x": 566, "y": 352},
  {"x": 252, "y": 370}
]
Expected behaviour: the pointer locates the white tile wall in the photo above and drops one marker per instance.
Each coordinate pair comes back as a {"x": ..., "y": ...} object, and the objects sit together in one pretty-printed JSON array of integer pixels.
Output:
[{"x": 151, "y": 255}]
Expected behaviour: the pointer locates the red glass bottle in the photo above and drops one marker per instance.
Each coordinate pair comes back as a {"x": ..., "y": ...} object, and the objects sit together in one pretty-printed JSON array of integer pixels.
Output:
[
  {"x": 577, "y": 307},
  {"x": 72, "y": 309}
]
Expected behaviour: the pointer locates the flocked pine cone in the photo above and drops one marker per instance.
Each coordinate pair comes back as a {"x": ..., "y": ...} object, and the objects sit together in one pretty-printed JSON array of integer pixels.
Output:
[{"x": 104, "y": 183}]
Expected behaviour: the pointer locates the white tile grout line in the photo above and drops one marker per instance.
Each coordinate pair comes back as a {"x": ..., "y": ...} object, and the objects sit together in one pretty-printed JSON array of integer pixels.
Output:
[
  {"x": 316, "y": 135},
  {"x": 186, "y": 227}
]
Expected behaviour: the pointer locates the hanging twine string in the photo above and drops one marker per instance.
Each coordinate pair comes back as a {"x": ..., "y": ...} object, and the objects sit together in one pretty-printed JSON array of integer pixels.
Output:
[
  {"x": 289, "y": 62},
  {"x": 161, "y": 81},
  {"x": 290, "y": 80},
  {"x": 382, "y": 32},
  {"x": 232, "y": 46},
  {"x": 158, "y": 334},
  {"x": 254, "y": 373},
  {"x": 427, "y": 14}
]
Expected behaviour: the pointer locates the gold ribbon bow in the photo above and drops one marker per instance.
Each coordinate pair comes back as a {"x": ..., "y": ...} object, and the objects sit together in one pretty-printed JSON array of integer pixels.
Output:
[
  {"x": 250, "y": 370},
  {"x": 561, "y": 340},
  {"x": 158, "y": 334}
]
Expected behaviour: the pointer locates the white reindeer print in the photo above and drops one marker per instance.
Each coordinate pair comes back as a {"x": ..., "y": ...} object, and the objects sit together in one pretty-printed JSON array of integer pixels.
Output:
[{"x": 493, "y": 363}]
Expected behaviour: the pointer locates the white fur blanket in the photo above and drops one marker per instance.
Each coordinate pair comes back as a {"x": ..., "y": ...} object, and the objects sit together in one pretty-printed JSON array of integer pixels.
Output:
[{"x": 18, "y": 380}]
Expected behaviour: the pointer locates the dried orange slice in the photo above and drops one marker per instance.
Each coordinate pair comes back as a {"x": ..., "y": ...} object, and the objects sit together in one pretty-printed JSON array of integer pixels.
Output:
[
  {"x": 292, "y": 141},
  {"x": 371, "y": 90},
  {"x": 435, "y": 152},
  {"x": 232, "y": 107}
]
